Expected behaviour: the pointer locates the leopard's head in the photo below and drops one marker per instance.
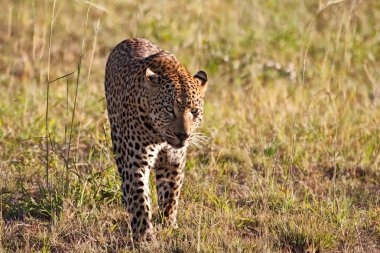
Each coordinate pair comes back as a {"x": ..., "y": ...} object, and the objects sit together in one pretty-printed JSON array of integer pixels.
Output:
[{"x": 175, "y": 98}]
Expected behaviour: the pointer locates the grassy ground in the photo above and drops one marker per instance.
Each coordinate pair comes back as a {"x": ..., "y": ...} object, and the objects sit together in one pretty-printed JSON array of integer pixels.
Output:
[{"x": 293, "y": 164}]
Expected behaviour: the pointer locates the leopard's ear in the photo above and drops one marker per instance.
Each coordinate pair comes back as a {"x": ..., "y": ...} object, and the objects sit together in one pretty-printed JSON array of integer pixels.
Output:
[
  {"x": 201, "y": 76},
  {"x": 151, "y": 78}
]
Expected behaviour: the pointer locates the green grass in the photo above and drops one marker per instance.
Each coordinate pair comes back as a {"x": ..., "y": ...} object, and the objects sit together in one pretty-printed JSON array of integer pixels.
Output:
[{"x": 292, "y": 165}]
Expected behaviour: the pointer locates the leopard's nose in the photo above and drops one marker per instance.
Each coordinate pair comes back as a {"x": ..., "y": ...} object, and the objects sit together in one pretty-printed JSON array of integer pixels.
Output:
[{"x": 182, "y": 136}]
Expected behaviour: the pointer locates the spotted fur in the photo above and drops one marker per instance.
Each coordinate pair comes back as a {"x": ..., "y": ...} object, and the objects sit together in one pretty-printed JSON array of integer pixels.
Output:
[{"x": 154, "y": 105}]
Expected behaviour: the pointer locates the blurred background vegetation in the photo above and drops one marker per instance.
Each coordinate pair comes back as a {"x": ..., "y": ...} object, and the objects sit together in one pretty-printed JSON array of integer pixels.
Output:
[{"x": 292, "y": 113}]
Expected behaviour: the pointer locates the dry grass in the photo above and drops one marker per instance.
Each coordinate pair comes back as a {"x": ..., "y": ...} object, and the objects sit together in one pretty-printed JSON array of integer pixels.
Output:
[{"x": 292, "y": 165}]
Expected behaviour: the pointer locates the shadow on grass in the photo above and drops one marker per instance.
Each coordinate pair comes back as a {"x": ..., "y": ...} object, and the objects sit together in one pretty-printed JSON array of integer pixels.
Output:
[{"x": 38, "y": 203}]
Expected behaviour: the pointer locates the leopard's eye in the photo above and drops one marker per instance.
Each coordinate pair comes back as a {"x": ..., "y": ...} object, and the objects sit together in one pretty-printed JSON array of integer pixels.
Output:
[
  {"x": 169, "y": 109},
  {"x": 194, "y": 111}
]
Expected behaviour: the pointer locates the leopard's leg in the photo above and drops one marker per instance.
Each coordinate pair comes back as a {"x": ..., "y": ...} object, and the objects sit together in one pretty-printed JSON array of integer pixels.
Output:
[
  {"x": 136, "y": 190},
  {"x": 120, "y": 157},
  {"x": 169, "y": 178},
  {"x": 134, "y": 163}
]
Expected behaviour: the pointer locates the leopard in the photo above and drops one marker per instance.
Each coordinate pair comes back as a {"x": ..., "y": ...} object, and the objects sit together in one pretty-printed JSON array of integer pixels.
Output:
[{"x": 154, "y": 106}]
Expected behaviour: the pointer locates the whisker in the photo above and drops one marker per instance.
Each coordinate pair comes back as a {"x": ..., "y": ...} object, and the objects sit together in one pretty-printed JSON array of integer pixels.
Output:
[
  {"x": 199, "y": 140},
  {"x": 204, "y": 138},
  {"x": 198, "y": 146},
  {"x": 200, "y": 135}
]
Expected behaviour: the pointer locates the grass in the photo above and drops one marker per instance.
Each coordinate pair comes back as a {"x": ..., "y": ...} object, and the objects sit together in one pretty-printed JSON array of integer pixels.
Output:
[{"x": 292, "y": 165}]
